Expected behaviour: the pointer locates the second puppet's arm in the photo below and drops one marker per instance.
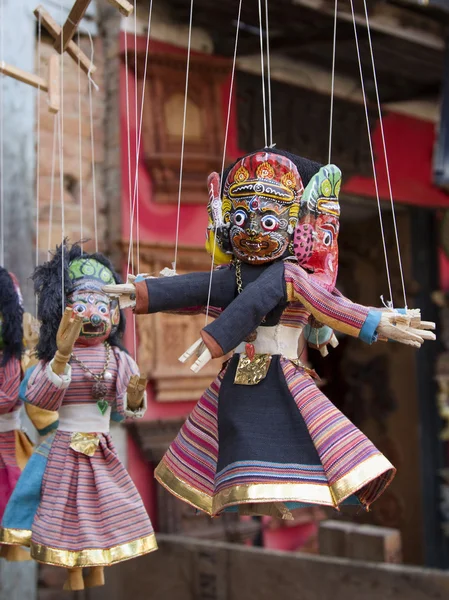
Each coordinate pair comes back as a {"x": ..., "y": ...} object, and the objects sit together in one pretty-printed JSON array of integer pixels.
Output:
[
  {"x": 9, "y": 390},
  {"x": 291, "y": 283}
]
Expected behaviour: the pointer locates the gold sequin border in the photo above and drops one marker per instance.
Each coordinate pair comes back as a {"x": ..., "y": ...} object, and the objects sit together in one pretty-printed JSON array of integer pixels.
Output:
[
  {"x": 93, "y": 557},
  {"x": 15, "y": 537},
  {"x": 373, "y": 467}
]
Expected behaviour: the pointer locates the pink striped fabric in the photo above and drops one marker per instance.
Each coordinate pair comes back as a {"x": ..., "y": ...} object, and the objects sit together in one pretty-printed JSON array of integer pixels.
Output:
[
  {"x": 10, "y": 375},
  {"x": 9, "y": 470},
  {"x": 87, "y": 502},
  {"x": 340, "y": 445},
  {"x": 333, "y": 306},
  {"x": 194, "y": 453}
]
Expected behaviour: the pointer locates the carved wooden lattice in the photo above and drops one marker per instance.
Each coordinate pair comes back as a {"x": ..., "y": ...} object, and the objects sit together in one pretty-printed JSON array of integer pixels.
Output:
[{"x": 164, "y": 337}]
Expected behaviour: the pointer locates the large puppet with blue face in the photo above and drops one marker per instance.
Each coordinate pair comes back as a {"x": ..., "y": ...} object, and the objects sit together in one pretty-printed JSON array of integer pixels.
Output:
[
  {"x": 84, "y": 374},
  {"x": 263, "y": 439}
]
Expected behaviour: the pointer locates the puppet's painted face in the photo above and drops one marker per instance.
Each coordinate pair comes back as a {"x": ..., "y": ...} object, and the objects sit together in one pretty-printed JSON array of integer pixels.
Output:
[
  {"x": 261, "y": 204},
  {"x": 316, "y": 236},
  {"x": 98, "y": 317}
]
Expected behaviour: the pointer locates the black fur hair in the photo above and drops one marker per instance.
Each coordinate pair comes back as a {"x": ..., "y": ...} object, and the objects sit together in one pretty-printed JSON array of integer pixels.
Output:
[
  {"x": 306, "y": 168},
  {"x": 12, "y": 318},
  {"x": 48, "y": 286}
]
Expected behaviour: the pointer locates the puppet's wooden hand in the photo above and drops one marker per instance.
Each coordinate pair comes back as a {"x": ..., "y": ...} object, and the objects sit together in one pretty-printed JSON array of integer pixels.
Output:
[
  {"x": 135, "y": 391},
  {"x": 68, "y": 333},
  {"x": 332, "y": 342},
  {"x": 125, "y": 292},
  {"x": 407, "y": 329},
  {"x": 202, "y": 352}
]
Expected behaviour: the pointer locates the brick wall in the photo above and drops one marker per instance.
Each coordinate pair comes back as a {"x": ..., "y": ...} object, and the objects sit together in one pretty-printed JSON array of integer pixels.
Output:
[{"x": 73, "y": 182}]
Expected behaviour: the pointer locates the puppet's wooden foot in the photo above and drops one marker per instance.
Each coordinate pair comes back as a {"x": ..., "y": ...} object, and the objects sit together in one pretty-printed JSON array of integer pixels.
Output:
[
  {"x": 14, "y": 553},
  {"x": 95, "y": 577},
  {"x": 74, "y": 579}
]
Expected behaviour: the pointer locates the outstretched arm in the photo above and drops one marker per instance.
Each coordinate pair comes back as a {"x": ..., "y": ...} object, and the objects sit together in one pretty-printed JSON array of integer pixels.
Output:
[
  {"x": 161, "y": 294},
  {"x": 289, "y": 282}
]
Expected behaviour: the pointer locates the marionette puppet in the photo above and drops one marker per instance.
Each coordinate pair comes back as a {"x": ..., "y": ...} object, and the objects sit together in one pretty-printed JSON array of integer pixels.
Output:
[
  {"x": 76, "y": 505},
  {"x": 263, "y": 439},
  {"x": 15, "y": 447}
]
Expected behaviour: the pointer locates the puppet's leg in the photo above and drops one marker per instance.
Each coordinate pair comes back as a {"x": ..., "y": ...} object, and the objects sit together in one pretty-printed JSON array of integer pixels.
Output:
[
  {"x": 14, "y": 553},
  {"x": 74, "y": 579},
  {"x": 95, "y": 577}
]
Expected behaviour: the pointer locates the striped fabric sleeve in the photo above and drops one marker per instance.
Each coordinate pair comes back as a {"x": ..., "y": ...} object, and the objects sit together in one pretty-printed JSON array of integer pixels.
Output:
[
  {"x": 335, "y": 311},
  {"x": 126, "y": 367},
  {"x": 9, "y": 391},
  {"x": 46, "y": 389}
]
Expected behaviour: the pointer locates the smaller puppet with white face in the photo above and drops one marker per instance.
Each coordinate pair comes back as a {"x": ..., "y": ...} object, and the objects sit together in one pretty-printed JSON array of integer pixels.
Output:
[{"x": 76, "y": 505}]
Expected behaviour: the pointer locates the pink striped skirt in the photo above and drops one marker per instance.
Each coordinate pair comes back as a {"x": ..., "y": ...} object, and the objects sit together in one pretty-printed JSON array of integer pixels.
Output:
[{"x": 270, "y": 448}]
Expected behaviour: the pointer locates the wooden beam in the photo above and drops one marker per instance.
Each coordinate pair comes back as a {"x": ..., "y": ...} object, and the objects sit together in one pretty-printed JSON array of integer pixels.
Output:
[
  {"x": 72, "y": 49},
  {"x": 390, "y": 22},
  {"x": 24, "y": 76},
  {"x": 54, "y": 89},
  {"x": 69, "y": 28},
  {"x": 125, "y": 7}
]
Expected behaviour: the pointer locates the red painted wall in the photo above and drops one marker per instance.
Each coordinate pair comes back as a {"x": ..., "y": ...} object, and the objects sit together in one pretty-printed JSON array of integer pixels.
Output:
[{"x": 410, "y": 145}]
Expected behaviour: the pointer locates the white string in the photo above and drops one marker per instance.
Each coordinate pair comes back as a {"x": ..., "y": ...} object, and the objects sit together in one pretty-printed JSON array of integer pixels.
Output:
[
  {"x": 228, "y": 119},
  {"x": 334, "y": 52},
  {"x": 80, "y": 154},
  {"x": 181, "y": 167},
  {"x": 128, "y": 132},
  {"x": 270, "y": 112},
  {"x": 56, "y": 133},
  {"x": 262, "y": 71},
  {"x": 38, "y": 119},
  {"x": 38, "y": 153},
  {"x": 61, "y": 168},
  {"x": 140, "y": 135},
  {"x": 137, "y": 138},
  {"x": 390, "y": 191},
  {"x": 2, "y": 172},
  {"x": 384, "y": 244},
  {"x": 92, "y": 146}
]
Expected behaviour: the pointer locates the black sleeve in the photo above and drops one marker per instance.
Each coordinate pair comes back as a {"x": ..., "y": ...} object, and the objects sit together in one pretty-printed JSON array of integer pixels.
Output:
[
  {"x": 183, "y": 291},
  {"x": 246, "y": 312}
]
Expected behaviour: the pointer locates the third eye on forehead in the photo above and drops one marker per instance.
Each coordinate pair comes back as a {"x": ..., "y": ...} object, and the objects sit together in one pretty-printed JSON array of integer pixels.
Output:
[{"x": 90, "y": 298}]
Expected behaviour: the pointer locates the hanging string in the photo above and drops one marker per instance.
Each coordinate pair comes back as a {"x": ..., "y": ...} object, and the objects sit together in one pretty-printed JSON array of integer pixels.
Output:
[
  {"x": 80, "y": 153},
  {"x": 136, "y": 175},
  {"x": 137, "y": 138},
  {"x": 61, "y": 167},
  {"x": 390, "y": 191},
  {"x": 128, "y": 136},
  {"x": 262, "y": 71},
  {"x": 334, "y": 52},
  {"x": 181, "y": 167},
  {"x": 92, "y": 148},
  {"x": 56, "y": 134},
  {"x": 365, "y": 103},
  {"x": 2, "y": 171},
  {"x": 270, "y": 112},
  {"x": 38, "y": 152},
  {"x": 228, "y": 119}
]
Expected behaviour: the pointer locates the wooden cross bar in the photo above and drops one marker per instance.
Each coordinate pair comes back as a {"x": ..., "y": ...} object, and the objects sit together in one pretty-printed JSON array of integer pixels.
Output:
[
  {"x": 75, "y": 17},
  {"x": 49, "y": 85},
  {"x": 72, "y": 49}
]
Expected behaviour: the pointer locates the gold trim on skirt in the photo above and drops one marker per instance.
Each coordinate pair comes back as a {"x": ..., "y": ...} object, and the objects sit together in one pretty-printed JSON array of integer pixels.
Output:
[
  {"x": 93, "y": 557},
  {"x": 15, "y": 537},
  {"x": 311, "y": 493}
]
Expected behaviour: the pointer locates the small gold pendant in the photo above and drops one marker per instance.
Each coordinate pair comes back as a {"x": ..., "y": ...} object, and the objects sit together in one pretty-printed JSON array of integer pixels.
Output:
[{"x": 250, "y": 371}]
